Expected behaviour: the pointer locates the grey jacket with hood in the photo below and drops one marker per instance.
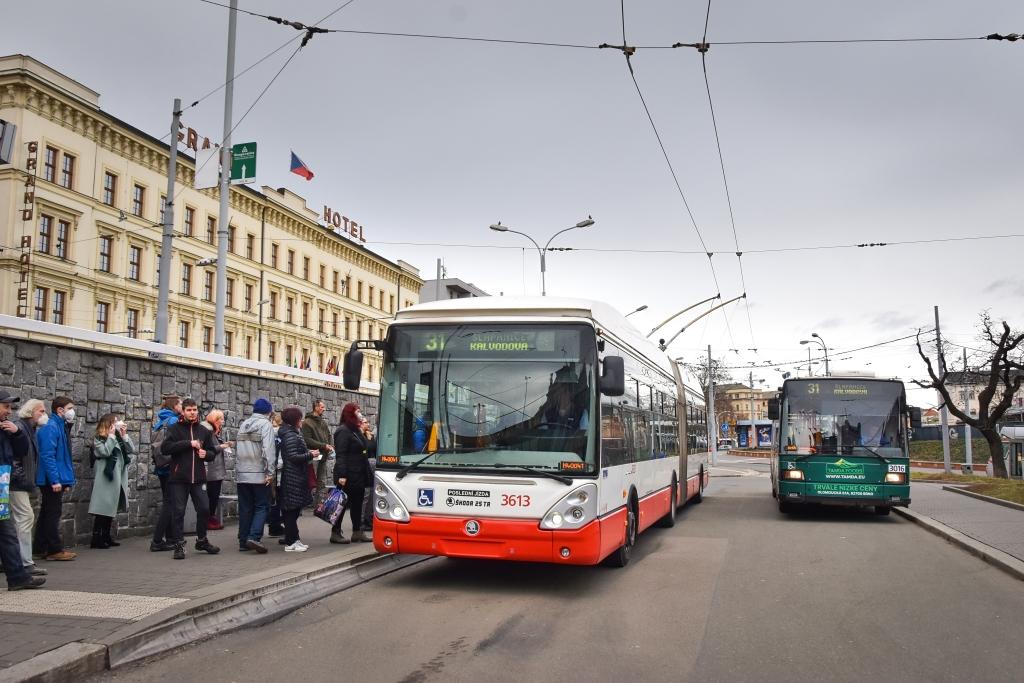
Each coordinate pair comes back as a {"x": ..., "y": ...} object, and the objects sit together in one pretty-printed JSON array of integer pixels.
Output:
[{"x": 255, "y": 450}]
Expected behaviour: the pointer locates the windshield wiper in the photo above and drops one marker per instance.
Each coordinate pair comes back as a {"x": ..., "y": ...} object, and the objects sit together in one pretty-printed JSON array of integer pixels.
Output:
[
  {"x": 875, "y": 453},
  {"x": 445, "y": 451},
  {"x": 557, "y": 477}
]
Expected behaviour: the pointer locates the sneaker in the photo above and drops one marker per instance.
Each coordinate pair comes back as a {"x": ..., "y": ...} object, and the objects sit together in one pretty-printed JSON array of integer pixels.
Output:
[
  {"x": 296, "y": 547},
  {"x": 160, "y": 547},
  {"x": 31, "y": 582},
  {"x": 302, "y": 544},
  {"x": 179, "y": 551},
  {"x": 62, "y": 556},
  {"x": 243, "y": 549},
  {"x": 206, "y": 546},
  {"x": 256, "y": 545},
  {"x": 36, "y": 571}
]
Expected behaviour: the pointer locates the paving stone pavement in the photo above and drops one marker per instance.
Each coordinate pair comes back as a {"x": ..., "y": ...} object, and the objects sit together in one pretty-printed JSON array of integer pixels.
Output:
[
  {"x": 994, "y": 525},
  {"x": 114, "y": 587}
]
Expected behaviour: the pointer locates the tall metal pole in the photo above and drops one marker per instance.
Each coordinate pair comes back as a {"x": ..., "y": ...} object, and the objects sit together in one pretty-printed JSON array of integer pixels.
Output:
[
  {"x": 437, "y": 286},
  {"x": 944, "y": 413},
  {"x": 968, "y": 459},
  {"x": 712, "y": 421},
  {"x": 751, "y": 435},
  {"x": 225, "y": 184},
  {"x": 809, "y": 361},
  {"x": 164, "y": 285}
]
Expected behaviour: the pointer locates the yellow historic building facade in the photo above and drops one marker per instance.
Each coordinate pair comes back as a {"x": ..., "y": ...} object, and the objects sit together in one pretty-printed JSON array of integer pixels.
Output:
[{"x": 80, "y": 230}]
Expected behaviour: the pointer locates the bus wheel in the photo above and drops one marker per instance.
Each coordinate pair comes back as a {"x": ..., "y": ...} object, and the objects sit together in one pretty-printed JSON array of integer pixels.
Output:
[
  {"x": 699, "y": 498},
  {"x": 621, "y": 557},
  {"x": 882, "y": 509},
  {"x": 669, "y": 520}
]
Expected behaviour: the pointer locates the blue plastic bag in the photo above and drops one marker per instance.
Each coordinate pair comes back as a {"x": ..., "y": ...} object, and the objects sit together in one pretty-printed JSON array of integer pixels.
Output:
[{"x": 5, "y": 491}]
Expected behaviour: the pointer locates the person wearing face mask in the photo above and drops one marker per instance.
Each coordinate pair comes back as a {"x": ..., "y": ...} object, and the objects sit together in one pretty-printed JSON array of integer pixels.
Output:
[
  {"x": 31, "y": 415},
  {"x": 13, "y": 444},
  {"x": 353, "y": 448},
  {"x": 216, "y": 469},
  {"x": 54, "y": 476},
  {"x": 113, "y": 449}
]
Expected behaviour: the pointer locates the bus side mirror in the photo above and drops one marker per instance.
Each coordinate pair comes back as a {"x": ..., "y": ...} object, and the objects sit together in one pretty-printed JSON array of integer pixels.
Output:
[
  {"x": 613, "y": 376},
  {"x": 915, "y": 417},
  {"x": 773, "y": 409},
  {"x": 352, "y": 368}
]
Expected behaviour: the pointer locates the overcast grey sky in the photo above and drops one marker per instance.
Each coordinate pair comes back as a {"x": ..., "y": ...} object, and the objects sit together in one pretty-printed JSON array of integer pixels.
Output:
[{"x": 432, "y": 141}]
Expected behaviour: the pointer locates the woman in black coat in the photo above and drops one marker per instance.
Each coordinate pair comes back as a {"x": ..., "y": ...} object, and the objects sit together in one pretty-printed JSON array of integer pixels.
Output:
[
  {"x": 294, "y": 492},
  {"x": 353, "y": 448}
]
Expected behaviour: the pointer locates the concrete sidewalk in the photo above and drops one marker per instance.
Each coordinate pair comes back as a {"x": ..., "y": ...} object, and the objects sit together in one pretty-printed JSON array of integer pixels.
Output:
[
  {"x": 111, "y": 596},
  {"x": 991, "y": 531}
]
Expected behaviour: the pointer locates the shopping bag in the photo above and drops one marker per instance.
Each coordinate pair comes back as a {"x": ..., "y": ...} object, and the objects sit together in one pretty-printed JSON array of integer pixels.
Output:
[
  {"x": 5, "y": 491},
  {"x": 331, "y": 506}
]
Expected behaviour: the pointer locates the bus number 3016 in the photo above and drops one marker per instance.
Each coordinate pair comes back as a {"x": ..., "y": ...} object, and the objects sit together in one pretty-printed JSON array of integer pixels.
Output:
[{"x": 514, "y": 501}]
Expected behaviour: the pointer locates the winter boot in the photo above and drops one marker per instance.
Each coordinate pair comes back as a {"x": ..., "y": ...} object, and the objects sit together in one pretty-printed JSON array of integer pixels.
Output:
[
  {"x": 338, "y": 537},
  {"x": 108, "y": 538},
  {"x": 205, "y": 545},
  {"x": 360, "y": 537},
  {"x": 98, "y": 541}
]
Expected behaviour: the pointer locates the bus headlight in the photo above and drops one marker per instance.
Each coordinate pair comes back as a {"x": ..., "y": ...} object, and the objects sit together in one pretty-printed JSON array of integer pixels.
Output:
[
  {"x": 793, "y": 475},
  {"x": 895, "y": 478},
  {"x": 575, "y": 509},
  {"x": 387, "y": 505}
]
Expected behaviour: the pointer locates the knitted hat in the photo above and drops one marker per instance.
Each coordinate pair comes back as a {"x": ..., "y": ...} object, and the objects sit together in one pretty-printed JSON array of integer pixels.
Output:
[{"x": 263, "y": 406}]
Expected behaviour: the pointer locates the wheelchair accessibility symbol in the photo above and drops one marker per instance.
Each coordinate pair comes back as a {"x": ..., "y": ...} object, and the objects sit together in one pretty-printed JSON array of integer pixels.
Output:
[{"x": 425, "y": 498}]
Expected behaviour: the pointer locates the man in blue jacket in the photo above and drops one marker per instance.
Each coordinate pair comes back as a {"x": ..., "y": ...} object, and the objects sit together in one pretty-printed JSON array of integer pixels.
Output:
[
  {"x": 54, "y": 475},
  {"x": 13, "y": 444}
]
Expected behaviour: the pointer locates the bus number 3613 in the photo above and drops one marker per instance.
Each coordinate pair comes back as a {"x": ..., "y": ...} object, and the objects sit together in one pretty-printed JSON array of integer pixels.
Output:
[{"x": 514, "y": 501}]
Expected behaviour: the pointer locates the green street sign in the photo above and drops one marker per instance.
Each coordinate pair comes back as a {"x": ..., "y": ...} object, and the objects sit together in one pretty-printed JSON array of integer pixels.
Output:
[{"x": 243, "y": 163}]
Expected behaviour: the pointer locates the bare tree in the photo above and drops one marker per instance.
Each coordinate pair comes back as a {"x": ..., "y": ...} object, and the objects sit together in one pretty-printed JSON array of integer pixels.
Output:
[
  {"x": 1001, "y": 373},
  {"x": 700, "y": 371}
]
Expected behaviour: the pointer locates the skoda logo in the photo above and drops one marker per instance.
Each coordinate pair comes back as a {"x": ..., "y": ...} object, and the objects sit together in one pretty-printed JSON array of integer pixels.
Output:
[{"x": 472, "y": 527}]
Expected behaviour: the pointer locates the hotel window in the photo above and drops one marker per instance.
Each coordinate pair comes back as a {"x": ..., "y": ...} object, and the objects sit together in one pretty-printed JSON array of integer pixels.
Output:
[
  {"x": 273, "y": 305},
  {"x": 323, "y": 276},
  {"x": 369, "y": 299},
  {"x": 45, "y": 233},
  {"x": 290, "y": 264},
  {"x": 305, "y": 314},
  {"x": 381, "y": 306},
  {"x": 391, "y": 303},
  {"x": 208, "y": 285},
  {"x": 334, "y": 282},
  {"x": 271, "y": 351},
  {"x": 348, "y": 286},
  {"x": 102, "y": 316},
  {"x": 109, "y": 188},
  {"x": 211, "y": 228},
  {"x": 207, "y": 339},
  {"x": 289, "y": 307},
  {"x": 133, "y": 323},
  {"x": 40, "y": 301},
  {"x": 227, "y": 343},
  {"x": 320, "y": 362},
  {"x": 322, "y": 320},
  {"x": 229, "y": 293},
  {"x": 250, "y": 246},
  {"x": 186, "y": 279},
  {"x": 163, "y": 208},
  {"x": 138, "y": 199},
  {"x": 231, "y": 239},
  {"x": 60, "y": 242},
  {"x": 106, "y": 247},
  {"x": 183, "y": 334},
  {"x": 134, "y": 262},
  {"x": 359, "y": 329},
  {"x": 190, "y": 221},
  {"x": 288, "y": 354},
  {"x": 348, "y": 328},
  {"x": 248, "y": 348},
  {"x": 305, "y": 268},
  {"x": 334, "y": 323},
  {"x": 58, "y": 307},
  {"x": 273, "y": 256},
  {"x": 67, "y": 172},
  {"x": 247, "y": 298},
  {"x": 359, "y": 292},
  {"x": 50, "y": 165}
]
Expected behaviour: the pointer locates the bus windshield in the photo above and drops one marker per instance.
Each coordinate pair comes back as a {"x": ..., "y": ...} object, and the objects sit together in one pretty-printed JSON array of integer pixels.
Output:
[
  {"x": 831, "y": 416},
  {"x": 488, "y": 396}
]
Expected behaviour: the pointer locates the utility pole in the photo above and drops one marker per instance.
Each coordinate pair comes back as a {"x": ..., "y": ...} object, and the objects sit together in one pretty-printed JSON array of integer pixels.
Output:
[
  {"x": 712, "y": 422},
  {"x": 751, "y": 435},
  {"x": 225, "y": 185},
  {"x": 809, "y": 362},
  {"x": 163, "y": 295},
  {"x": 944, "y": 413},
  {"x": 437, "y": 285},
  {"x": 967, "y": 409}
]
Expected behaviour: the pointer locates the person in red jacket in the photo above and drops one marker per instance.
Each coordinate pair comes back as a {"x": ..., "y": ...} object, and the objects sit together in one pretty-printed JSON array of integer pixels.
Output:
[{"x": 190, "y": 448}]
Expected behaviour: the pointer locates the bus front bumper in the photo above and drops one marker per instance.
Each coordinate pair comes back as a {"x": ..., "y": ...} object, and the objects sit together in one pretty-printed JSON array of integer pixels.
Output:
[
  {"x": 892, "y": 495},
  {"x": 495, "y": 539}
]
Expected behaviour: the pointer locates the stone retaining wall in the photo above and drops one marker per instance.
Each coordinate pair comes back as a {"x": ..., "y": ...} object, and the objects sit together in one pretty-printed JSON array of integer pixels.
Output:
[{"x": 102, "y": 382}]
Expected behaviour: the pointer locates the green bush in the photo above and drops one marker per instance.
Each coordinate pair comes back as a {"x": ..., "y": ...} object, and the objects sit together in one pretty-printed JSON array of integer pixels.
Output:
[{"x": 932, "y": 450}]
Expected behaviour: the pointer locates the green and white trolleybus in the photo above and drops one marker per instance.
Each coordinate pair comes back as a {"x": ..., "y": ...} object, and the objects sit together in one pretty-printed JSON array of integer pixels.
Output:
[{"x": 842, "y": 441}]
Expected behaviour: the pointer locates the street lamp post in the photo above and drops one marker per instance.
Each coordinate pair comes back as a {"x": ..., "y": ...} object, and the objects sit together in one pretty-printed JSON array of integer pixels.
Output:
[
  {"x": 641, "y": 308},
  {"x": 817, "y": 339},
  {"x": 498, "y": 227}
]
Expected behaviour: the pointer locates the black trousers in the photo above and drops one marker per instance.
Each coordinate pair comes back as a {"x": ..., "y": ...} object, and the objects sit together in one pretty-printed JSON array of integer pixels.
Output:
[
  {"x": 291, "y": 525},
  {"x": 355, "y": 505},
  {"x": 47, "y": 537},
  {"x": 161, "y": 532},
  {"x": 213, "y": 494},
  {"x": 180, "y": 493}
]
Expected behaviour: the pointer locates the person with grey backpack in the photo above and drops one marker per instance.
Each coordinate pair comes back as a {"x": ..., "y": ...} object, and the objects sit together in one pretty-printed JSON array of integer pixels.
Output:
[{"x": 169, "y": 414}]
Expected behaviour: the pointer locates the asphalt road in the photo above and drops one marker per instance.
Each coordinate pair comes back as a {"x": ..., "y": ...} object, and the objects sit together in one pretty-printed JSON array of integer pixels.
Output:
[{"x": 735, "y": 592}]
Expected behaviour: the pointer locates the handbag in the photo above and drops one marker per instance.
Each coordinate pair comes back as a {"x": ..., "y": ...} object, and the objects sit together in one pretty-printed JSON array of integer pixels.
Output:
[
  {"x": 5, "y": 492},
  {"x": 331, "y": 507}
]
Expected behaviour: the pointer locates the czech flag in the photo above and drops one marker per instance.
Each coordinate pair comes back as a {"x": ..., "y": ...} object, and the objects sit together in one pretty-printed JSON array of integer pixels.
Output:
[{"x": 299, "y": 168}]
